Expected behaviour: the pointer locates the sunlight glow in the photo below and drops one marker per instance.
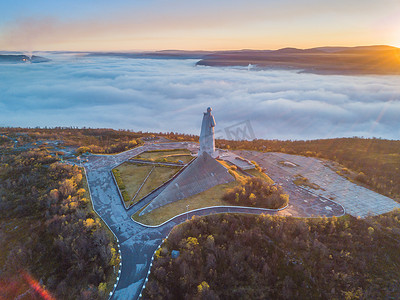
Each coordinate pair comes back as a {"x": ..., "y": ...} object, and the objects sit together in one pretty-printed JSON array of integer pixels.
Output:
[{"x": 35, "y": 285}]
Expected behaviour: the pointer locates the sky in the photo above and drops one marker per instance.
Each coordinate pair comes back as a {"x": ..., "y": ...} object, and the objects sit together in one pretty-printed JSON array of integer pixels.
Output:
[
  {"x": 122, "y": 25},
  {"x": 171, "y": 95}
]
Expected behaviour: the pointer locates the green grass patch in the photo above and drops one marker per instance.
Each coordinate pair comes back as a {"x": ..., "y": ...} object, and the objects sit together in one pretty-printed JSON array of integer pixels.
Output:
[
  {"x": 210, "y": 197},
  {"x": 166, "y": 156},
  {"x": 179, "y": 157},
  {"x": 159, "y": 175},
  {"x": 129, "y": 178}
]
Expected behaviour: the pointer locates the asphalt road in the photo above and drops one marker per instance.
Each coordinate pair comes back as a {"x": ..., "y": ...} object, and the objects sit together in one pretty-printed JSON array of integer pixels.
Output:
[{"x": 138, "y": 243}]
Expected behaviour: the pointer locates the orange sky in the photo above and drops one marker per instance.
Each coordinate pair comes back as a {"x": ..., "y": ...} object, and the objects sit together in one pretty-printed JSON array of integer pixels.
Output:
[{"x": 189, "y": 25}]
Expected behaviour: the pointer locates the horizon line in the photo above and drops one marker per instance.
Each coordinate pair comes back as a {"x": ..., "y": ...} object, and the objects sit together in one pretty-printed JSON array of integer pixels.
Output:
[{"x": 198, "y": 50}]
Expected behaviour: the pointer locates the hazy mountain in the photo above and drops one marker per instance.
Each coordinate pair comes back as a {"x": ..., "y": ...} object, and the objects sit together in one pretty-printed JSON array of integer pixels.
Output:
[
  {"x": 324, "y": 60},
  {"x": 379, "y": 59},
  {"x": 39, "y": 59},
  {"x": 20, "y": 58},
  {"x": 164, "y": 54}
]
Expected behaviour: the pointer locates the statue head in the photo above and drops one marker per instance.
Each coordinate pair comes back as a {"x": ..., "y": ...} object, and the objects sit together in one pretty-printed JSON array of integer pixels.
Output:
[{"x": 209, "y": 109}]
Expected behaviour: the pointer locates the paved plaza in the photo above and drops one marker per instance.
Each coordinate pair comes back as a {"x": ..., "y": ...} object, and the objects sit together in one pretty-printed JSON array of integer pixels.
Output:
[
  {"x": 138, "y": 243},
  {"x": 357, "y": 200}
]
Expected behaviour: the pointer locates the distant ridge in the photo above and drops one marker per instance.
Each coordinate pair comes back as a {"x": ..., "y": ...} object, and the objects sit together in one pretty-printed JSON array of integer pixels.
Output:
[
  {"x": 21, "y": 58},
  {"x": 163, "y": 54},
  {"x": 359, "y": 60},
  {"x": 379, "y": 59}
]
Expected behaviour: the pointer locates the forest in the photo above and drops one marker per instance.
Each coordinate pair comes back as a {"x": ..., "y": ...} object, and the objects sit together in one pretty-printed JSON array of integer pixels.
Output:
[
  {"x": 232, "y": 256},
  {"x": 98, "y": 141},
  {"x": 50, "y": 236},
  {"x": 376, "y": 161},
  {"x": 52, "y": 243}
]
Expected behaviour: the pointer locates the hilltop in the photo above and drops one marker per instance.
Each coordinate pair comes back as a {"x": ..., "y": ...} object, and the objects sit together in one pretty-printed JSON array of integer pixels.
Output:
[
  {"x": 21, "y": 58},
  {"x": 379, "y": 59},
  {"x": 360, "y": 60},
  {"x": 382, "y": 60}
]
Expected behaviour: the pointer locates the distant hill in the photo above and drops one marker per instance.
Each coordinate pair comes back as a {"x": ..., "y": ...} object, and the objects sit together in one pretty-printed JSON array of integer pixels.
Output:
[
  {"x": 379, "y": 59},
  {"x": 383, "y": 60},
  {"x": 39, "y": 59},
  {"x": 164, "y": 54},
  {"x": 20, "y": 58}
]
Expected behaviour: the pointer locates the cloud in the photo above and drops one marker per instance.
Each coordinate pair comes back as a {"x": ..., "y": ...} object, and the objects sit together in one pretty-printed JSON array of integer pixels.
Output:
[{"x": 170, "y": 95}]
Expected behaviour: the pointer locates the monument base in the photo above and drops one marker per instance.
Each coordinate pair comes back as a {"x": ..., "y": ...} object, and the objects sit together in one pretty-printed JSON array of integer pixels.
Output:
[{"x": 200, "y": 175}]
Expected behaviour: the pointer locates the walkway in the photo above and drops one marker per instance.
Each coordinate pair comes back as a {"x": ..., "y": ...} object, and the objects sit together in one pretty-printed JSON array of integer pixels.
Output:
[
  {"x": 357, "y": 200},
  {"x": 138, "y": 243}
]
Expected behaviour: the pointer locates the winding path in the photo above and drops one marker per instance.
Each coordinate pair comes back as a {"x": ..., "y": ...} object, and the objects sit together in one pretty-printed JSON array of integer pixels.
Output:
[{"x": 138, "y": 242}]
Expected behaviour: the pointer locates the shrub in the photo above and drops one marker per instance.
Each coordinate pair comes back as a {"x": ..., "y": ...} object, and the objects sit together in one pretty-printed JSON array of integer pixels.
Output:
[
  {"x": 256, "y": 192},
  {"x": 361, "y": 177}
]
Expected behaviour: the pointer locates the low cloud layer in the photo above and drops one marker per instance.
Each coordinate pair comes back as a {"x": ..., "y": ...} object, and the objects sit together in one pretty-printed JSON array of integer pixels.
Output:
[{"x": 170, "y": 95}]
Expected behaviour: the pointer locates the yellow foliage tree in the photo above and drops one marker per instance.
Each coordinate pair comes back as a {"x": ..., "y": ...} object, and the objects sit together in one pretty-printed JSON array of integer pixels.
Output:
[
  {"x": 191, "y": 242},
  {"x": 204, "y": 286},
  {"x": 252, "y": 199},
  {"x": 89, "y": 222},
  {"x": 102, "y": 288},
  {"x": 81, "y": 192}
]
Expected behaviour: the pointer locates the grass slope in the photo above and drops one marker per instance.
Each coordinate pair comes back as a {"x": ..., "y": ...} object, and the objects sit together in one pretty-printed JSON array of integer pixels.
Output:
[
  {"x": 159, "y": 175},
  {"x": 210, "y": 197},
  {"x": 129, "y": 178},
  {"x": 166, "y": 155}
]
